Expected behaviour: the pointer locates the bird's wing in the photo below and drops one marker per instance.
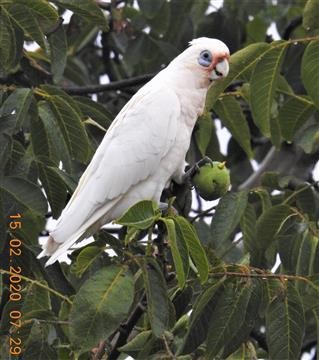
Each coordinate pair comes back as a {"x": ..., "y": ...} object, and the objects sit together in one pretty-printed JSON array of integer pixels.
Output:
[{"x": 141, "y": 135}]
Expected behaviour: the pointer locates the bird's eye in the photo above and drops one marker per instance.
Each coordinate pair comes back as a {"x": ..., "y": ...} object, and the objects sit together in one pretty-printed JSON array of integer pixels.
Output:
[{"x": 205, "y": 58}]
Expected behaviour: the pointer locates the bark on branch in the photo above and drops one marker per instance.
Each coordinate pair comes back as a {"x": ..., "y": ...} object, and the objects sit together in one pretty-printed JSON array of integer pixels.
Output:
[{"x": 115, "y": 85}]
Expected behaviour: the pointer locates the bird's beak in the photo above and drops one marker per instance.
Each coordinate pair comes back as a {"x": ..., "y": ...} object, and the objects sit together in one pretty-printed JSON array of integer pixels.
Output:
[{"x": 220, "y": 69}]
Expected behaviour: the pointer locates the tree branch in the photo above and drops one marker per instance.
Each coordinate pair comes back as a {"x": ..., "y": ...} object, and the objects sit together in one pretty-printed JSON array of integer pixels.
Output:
[
  {"x": 115, "y": 85},
  {"x": 289, "y": 160},
  {"x": 255, "y": 176},
  {"x": 260, "y": 338},
  {"x": 294, "y": 23},
  {"x": 126, "y": 328}
]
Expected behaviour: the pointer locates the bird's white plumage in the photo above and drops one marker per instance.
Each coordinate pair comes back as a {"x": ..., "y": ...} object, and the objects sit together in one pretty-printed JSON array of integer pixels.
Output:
[{"x": 142, "y": 151}]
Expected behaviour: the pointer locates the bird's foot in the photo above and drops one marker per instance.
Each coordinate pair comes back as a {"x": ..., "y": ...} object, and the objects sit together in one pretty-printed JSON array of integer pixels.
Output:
[
  {"x": 193, "y": 170},
  {"x": 168, "y": 209}
]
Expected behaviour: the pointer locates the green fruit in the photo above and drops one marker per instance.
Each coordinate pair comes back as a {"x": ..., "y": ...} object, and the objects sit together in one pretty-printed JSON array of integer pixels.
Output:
[{"x": 212, "y": 181}]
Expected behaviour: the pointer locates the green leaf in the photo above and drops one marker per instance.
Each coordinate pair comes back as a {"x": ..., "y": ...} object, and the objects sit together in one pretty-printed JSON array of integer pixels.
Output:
[
  {"x": 25, "y": 193},
  {"x": 310, "y": 70},
  {"x": 198, "y": 11},
  {"x": 150, "y": 8},
  {"x": 94, "y": 110},
  {"x": 275, "y": 130},
  {"x": 137, "y": 343},
  {"x": 248, "y": 228},
  {"x": 86, "y": 8},
  {"x": 242, "y": 332},
  {"x": 36, "y": 299},
  {"x": 56, "y": 91},
  {"x": 227, "y": 216},
  {"x": 285, "y": 325},
  {"x": 264, "y": 197},
  {"x": 306, "y": 201},
  {"x": 161, "y": 21},
  {"x": 256, "y": 29},
  {"x": 75, "y": 69},
  {"x": 135, "y": 50},
  {"x": 156, "y": 294},
  {"x": 179, "y": 12},
  {"x": 54, "y": 188},
  {"x": 270, "y": 222},
  {"x": 71, "y": 127},
  {"x": 246, "y": 351},
  {"x": 306, "y": 256},
  {"x": 86, "y": 258},
  {"x": 37, "y": 346},
  {"x": 100, "y": 305},
  {"x": 32, "y": 226},
  {"x": 232, "y": 116},
  {"x": 263, "y": 86},
  {"x": 19, "y": 102},
  {"x": 228, "y": 315},
  {"x": 45, "y": 13},
  {"x": 69, "y": 181},
  {"x": 311, "y": 15},
  {"x": 309, "y": 139},
  {"x": 204, "y": 127},
  {"x": 179, "y": 251},
  {"x": 7, "y": 125},
  {"x": 201, "y": 316},
  {"x": 39, "y": 135},
  {"x": 196, "y": 250},
  {"x": 181, "y": 300},
  {"x": 25, "y": 19},
  {"x": 141, "y": 215},
  {"x": 293, "y": 114},
  {"x": 17, "y": 155},
  {"x": 11, "y": 43},
  {"x": 298, "y": 250},
  {"x": 241, "y": 63},
  {"x": 58, "y": 53},
  {"x": 54, "y": 141}
]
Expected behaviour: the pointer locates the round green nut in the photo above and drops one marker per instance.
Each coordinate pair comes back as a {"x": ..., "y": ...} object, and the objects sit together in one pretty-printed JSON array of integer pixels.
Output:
[{"x": 212, "y": 181}]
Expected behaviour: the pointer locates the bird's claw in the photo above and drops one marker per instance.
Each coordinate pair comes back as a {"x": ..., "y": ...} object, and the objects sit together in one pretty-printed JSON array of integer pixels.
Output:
[
  {"x": 193, "y": 170},
  {"x": 167, "y": 209}
]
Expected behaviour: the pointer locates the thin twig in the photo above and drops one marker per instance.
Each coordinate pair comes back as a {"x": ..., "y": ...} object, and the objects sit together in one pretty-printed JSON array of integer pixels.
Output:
[
  {"x": 167, "y": 348},
  {"x": 264, "y": 276},
  {"x": 203, "y": 214}
]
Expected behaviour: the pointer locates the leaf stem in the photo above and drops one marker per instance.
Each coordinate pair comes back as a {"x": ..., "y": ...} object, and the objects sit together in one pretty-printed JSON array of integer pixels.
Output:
[
  {"x": 38, "y": 283},
  {"x": 303, "y": 188},
  {"x": 265, "y": 276}
]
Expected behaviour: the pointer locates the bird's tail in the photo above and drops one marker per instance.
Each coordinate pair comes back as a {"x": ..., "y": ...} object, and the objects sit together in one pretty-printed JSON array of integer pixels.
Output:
[
  {"x": 64, "y": 236},
  {"x": 49, "y": 248},
  {"x": 55, "y": 249}
]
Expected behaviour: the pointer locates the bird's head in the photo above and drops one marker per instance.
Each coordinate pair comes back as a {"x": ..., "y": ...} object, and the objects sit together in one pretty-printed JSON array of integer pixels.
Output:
[
  {"x": 206, "y": 57},
  {"x": 210, "y": 56}
]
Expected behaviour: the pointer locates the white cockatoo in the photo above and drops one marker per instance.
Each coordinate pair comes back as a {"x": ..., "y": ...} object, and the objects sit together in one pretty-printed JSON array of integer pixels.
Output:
[{"x": 144, "y": 148}]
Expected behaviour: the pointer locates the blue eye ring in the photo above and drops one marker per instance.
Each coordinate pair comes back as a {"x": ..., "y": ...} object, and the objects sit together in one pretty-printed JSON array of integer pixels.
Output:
[{"x": 205, "y": 58}]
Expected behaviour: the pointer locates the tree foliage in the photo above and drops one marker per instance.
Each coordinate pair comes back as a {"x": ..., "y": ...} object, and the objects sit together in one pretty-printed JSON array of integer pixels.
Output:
[{"x": 197, "y": 284}]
